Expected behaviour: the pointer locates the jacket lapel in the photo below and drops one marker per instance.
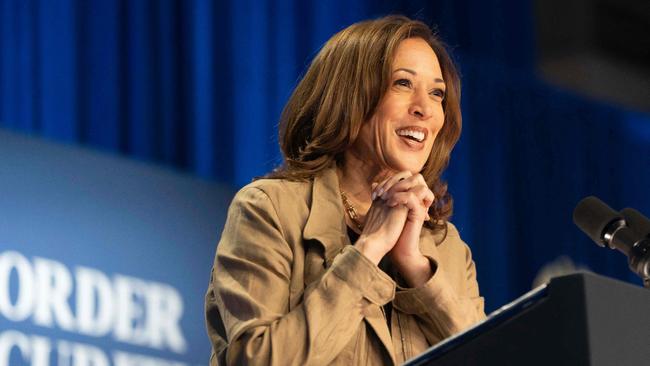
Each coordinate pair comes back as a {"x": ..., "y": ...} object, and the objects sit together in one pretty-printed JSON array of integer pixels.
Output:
[{"x": 326, "y": 225}]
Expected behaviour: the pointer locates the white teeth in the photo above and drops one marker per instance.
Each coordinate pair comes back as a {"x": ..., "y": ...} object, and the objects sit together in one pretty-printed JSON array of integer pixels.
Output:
[{"x": 418, "y": 135}]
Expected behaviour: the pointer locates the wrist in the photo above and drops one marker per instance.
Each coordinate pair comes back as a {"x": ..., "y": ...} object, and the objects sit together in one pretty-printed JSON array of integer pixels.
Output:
[
  {"x": 416, "y": 271},
  {"x": 366, "y": 247}
]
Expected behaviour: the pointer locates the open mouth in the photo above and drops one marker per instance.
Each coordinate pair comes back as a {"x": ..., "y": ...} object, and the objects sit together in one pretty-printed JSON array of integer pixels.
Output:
[{"x": 416, "y": 134}]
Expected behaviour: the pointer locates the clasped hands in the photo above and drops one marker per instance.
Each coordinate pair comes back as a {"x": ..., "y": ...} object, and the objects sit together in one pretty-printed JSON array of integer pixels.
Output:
[{"x": 393, "y": 224}]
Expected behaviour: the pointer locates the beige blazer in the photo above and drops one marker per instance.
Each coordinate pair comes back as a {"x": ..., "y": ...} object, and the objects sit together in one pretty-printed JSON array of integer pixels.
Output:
[{"x": 287, "y": 288}]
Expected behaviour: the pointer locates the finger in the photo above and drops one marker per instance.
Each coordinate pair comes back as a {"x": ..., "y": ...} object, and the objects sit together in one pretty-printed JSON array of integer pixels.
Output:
[
  {"x": 380, "y": 179},
  {"x": 378, "y": 189},
  {"x": 424, "y": 194},
  {"x": 411, "y": 201},
  {"x": 408, "y": 199},
  {"x": 406, "y": 184},
  {"x": 372, "y": 190},
  {"x": 381, "y": 188},
  {"x": 389, "y": 182},
  {"x": 428, "y": 202},
  {"x": 421, "y": 179}
]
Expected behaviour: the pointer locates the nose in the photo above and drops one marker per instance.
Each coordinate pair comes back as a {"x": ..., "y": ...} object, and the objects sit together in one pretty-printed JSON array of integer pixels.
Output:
[{"x": 421, "y": 106}]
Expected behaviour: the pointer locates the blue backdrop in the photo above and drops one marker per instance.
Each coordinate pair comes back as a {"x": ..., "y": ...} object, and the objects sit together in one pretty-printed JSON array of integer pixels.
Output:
[
  {"x": 199, "y": 85},
  {"x": 106, "y": 256}
]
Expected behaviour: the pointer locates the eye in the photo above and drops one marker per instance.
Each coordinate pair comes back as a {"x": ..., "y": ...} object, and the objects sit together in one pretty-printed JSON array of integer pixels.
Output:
[
  {"x": 403, "y": 82},
  {"x": 439, "y": 93}
]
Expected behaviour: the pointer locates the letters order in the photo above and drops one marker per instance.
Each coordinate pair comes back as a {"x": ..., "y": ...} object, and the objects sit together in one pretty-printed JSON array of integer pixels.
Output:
[{"x": 130, "y": 310}]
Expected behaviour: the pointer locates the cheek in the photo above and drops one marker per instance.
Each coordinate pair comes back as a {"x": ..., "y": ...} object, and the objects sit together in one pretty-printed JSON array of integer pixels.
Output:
[
  {"x": 440, "y": 115},
  {"x": 436, "y": 128},
  {"x": 438, "y": 121}
]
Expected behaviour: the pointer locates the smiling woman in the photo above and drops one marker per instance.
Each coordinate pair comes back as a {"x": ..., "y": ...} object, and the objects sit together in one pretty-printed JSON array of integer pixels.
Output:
[{"x": 344, "y": 255}]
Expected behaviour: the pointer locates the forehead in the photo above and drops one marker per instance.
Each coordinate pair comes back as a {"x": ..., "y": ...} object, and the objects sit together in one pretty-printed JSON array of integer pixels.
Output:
[{"x": 416, "y": 54}]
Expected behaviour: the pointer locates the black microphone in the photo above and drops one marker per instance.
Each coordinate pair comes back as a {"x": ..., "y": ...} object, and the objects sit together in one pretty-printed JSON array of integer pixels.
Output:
[{"x": 611, "y": 229}]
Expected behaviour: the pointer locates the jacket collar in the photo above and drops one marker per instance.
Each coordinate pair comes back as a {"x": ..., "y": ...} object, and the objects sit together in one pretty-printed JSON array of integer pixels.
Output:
[{"x": 326, "y": 222}]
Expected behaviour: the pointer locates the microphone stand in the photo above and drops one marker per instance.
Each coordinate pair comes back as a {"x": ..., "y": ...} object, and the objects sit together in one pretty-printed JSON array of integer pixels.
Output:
[
  {"x": 626, "y": 239},
  {"x": 639, "y": 258},
  {"x": 618, "y": 235}
]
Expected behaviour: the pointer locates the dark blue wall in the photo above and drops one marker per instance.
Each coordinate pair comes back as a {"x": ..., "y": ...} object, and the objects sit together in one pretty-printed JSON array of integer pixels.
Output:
[{"x": 199, "y": 85}]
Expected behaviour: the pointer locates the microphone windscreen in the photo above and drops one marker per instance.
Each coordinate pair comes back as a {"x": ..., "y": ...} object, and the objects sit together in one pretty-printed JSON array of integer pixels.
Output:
[
  {"x": 592, "y": 216},
  {"x": 636, "y": 221}
]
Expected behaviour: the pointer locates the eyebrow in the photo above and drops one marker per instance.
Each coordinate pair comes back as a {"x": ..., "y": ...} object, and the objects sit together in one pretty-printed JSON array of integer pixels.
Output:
[{"x": 437, "y": 80}]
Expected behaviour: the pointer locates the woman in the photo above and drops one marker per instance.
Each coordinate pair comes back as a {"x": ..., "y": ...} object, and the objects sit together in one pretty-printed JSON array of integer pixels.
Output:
[{"x": 344, "y": 255}]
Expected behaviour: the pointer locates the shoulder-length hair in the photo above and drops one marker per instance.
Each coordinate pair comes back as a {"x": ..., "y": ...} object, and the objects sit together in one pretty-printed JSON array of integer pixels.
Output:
[{"x": 341, "y": 90}]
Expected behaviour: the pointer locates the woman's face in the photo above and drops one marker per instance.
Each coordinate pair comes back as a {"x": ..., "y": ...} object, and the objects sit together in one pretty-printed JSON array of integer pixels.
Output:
[{"x": 400, "y": 133}]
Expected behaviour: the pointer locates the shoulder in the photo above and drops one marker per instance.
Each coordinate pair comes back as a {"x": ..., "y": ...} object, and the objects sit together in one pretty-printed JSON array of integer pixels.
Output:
[
  {"x": 274, "y": 190},
  {"x": 279, "y": 200},
  {"x": 450, "y": 244},
  {"x": 455, "y": 246},
  {"x": 452, "y": 232},
  {"x": 447, "y": 235}
]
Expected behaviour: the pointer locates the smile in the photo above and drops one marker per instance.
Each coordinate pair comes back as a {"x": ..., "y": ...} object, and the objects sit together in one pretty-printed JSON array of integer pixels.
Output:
[{"x": 414, "y": 133}]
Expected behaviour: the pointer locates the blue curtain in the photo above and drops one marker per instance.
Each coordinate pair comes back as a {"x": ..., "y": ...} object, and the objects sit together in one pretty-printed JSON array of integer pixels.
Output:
[{"x": 199, "y": 85}]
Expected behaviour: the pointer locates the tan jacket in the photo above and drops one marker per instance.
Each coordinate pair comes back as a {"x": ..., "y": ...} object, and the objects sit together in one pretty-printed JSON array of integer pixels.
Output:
[{"x": 287, "y": 288}]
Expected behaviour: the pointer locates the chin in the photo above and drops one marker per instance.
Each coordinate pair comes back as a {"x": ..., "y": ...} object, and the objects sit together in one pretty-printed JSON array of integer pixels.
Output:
[
  {"x": 417, "y": 170},
  {"x": 415, "y": 167}
]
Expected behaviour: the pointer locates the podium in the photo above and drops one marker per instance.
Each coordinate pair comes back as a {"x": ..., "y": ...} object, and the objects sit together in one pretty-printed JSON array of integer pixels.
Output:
[{"x": 579, "y": 319}]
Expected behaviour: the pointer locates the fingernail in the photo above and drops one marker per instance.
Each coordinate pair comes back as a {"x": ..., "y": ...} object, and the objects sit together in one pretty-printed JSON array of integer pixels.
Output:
[
  {"x": 380, "y": 192},
  {"x": 373, "y": 196}
]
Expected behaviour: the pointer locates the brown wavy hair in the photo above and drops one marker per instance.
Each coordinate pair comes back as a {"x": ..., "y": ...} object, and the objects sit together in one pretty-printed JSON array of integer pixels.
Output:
[{"x": 341, "y": 90}]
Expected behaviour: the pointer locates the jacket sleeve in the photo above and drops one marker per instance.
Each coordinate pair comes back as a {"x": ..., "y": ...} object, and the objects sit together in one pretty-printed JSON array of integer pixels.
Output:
[
  {"x": 443, "y": 309},
  {"x": 250, "y": 288}
]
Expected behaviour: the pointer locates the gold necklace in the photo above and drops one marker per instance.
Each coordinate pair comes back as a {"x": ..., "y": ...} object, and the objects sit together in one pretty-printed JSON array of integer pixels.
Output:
[{"x": 351, "y": 211}]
